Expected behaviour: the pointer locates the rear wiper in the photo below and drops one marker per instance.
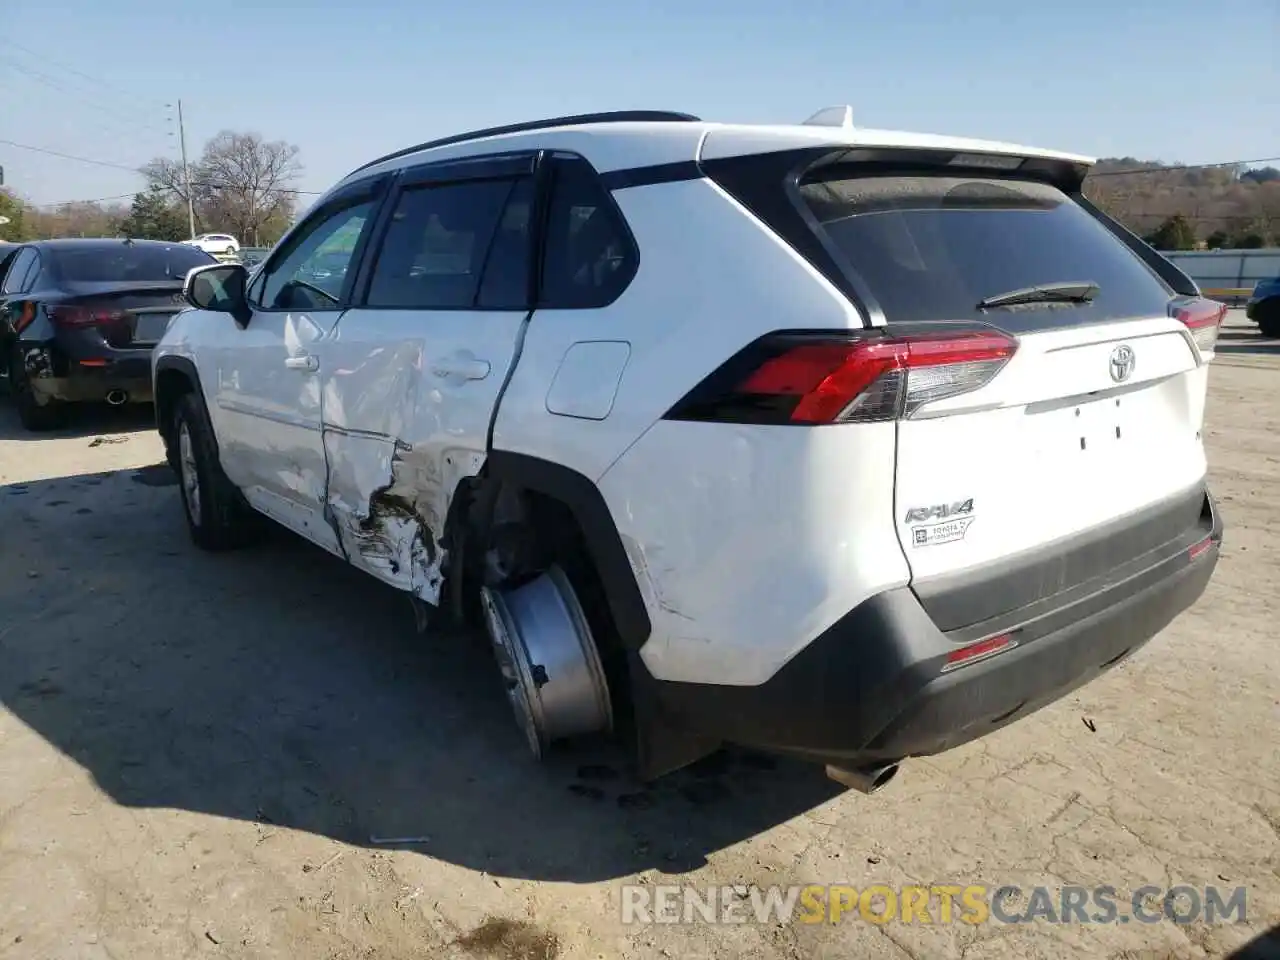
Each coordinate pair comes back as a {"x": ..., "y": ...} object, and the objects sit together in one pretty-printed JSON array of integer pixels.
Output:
[{"x": 1072, "y": 292}]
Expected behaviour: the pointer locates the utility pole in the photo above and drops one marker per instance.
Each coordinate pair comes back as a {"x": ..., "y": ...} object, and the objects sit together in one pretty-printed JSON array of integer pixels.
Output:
[{"x": 186, "y": 173}]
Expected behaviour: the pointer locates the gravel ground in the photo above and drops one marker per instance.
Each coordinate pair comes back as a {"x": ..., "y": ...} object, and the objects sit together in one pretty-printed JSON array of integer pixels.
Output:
[{"x": 205, "y": 756}]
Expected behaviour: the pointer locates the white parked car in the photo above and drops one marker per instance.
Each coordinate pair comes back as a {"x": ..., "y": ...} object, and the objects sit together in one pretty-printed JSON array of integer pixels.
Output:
[
  {"x": 846, "y": 444},
  {"x": 215, "y": 243}
]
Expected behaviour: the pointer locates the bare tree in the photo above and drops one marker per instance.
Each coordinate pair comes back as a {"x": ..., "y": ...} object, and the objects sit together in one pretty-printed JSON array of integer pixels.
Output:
[
  {"x": 241, "y": 184},
  {"x": 249, "y": 180}
]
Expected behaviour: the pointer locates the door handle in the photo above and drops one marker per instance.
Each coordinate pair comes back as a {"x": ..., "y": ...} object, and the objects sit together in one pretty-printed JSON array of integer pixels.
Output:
[
  {"x": 304, "y": 362},
  {"x": 462, "y": 367}
]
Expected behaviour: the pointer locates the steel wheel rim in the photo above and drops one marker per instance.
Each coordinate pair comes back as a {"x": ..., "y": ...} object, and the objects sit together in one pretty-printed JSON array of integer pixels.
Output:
[
  {"x": 514, "y": 680},
  {"x": 189, "y": 475}
]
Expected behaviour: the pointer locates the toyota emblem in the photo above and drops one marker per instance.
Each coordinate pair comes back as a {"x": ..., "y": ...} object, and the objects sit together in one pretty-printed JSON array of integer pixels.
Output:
[{"x": 1122, "y": 363}]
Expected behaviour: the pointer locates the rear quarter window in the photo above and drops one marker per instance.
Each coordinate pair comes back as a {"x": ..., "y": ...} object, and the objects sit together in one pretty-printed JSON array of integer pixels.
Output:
[{"x": 931, "y": 247}]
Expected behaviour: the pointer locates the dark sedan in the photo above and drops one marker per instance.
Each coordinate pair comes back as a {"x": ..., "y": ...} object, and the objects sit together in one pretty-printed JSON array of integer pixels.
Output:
[{"x": 78, "y": 319}]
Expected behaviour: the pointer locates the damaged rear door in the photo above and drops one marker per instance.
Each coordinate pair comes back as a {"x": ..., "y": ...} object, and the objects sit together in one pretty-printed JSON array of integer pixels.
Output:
[{"x": 415, "y": 369}]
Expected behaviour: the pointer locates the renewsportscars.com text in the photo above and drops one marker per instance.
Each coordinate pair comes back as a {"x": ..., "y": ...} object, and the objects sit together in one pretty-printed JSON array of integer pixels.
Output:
[{"x": 971, "y": 904}]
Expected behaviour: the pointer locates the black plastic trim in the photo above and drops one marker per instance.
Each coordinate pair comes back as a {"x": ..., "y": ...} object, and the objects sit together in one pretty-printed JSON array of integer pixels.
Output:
[
  {"x": 498, "y": 166},
  {"x": 616, "y": 116},
  {"x": 993, "y": 595},
  {"x": 583, "y": 498},
  {"x": 765, "y": 183},
  {"x": 188, "y": 369},
  {"x": 653, "y": 174}
]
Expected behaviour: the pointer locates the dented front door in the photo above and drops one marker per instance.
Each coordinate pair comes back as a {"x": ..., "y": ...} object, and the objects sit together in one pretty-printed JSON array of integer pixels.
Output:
[{"x": 412, "y": 375}]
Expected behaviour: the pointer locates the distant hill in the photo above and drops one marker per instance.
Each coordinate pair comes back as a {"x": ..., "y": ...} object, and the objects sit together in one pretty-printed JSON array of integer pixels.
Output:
[{"x": 1225, "y": 206}]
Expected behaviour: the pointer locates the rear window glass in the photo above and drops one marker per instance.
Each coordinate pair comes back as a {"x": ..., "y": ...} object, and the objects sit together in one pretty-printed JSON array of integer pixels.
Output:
[
  {"x": 932, "y": 247},
  {"x": 123, "y": 263}
]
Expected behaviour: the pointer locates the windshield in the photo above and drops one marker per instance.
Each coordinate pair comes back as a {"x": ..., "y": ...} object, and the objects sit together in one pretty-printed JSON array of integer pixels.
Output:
[
  {"x": 935, "y": 247},
  {"x": 129, "y": 262}
]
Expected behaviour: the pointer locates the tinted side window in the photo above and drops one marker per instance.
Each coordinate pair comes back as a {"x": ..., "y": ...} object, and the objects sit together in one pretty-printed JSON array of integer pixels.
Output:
[
  {"x": 309, "y": 274},
  {"x": 439, "y": 239},
  {"x": 590, "y": 257},
  {"x": 18, "y": 268}
]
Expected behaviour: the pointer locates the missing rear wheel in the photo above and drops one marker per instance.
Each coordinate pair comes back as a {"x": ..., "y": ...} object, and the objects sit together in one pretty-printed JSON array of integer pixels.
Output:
[{"x": 548, "y": 660}]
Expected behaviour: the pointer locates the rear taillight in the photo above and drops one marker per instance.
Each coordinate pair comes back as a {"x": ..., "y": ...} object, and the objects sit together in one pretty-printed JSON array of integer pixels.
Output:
[
  {"x": 807, "y": 378},
  {"x": 1202, "y": 318},
  {"x": 79, "y": 316}
]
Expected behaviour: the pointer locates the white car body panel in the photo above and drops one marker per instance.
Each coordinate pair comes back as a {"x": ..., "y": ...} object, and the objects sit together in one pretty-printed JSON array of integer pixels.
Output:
[
  {"x": 1052, "y": 446},
  {"x": 408, "y": 398},
  {"x": 749, "y": 541}
]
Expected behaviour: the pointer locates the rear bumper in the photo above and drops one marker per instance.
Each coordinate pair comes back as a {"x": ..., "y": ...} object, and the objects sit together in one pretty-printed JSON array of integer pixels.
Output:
[
  {"x": 69, "y": 380},
  {"x": 872, "y": 689}
]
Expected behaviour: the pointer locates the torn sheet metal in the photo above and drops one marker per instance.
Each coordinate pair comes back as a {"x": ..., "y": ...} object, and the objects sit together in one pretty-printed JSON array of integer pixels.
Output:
[{"x": 388, "y": 505}]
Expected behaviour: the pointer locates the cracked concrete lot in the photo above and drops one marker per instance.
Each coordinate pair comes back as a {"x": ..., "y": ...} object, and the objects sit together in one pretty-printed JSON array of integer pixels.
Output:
[{"x": 254, "y": 755}]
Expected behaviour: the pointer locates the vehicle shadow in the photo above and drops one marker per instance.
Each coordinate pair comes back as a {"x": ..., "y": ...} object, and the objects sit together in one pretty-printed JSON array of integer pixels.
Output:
[
  {"x": 82, "y": 420},
  {"x": 1238, "y": 341},
  {"x": 277, "y": 684},
  {"x": 1266, "y": 946}
]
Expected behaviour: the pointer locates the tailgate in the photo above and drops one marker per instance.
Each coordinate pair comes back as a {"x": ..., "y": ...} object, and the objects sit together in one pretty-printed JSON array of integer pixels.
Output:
[
  {"x": 1054, "y": 446},
  {"x": 1083, "y": 418}
]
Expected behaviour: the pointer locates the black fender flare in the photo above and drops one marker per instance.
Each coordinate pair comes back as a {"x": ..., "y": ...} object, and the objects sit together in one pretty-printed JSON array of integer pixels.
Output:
[
  {"x": 163, "y": 405},
  {"x": 585, "y": 502}
]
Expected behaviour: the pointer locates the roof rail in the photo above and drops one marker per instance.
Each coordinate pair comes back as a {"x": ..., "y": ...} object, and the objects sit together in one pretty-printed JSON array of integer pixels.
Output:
[{"x": 615, "y": 116}]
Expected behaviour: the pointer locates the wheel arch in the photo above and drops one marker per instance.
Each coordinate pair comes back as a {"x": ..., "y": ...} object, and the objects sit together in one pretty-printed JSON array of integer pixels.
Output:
[
  {"x": 174, "y": 376},
  {"x": 661, "y": 743},
  {"x": 582, "y": 498}
]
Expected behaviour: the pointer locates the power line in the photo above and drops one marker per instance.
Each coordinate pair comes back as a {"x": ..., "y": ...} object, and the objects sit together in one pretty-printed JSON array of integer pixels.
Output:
[
  {"x": 134, "y": 122},
  {"x": 219, "y": 186},
  {"x": 68, "y": 203},
  {"x": 68, "y": 156},
  {"x": 130, "y": 196},
  {"x": 96, "y": 81},
  {"x": 1178, "y": 168}
]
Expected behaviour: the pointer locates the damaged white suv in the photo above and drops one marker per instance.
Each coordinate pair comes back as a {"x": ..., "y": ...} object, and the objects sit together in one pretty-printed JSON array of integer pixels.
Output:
[{"x": 846, "y": 444}]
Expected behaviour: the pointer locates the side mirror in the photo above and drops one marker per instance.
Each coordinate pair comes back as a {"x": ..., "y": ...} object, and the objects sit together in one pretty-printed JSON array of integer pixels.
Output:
[{"x": 220, "y": 287}]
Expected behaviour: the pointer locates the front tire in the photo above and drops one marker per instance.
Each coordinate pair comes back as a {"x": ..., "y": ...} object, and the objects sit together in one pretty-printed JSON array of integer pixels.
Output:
[
  {"x": 1269, "y": 318},
  {"x": 217, "y": 516},
  {"x": 34, "y": 416}
]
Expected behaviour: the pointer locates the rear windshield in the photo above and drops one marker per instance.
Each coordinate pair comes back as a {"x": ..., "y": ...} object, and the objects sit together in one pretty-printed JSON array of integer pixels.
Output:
[
  {"x": 124, "y": 263},
  {"x": 932, "y": 247}
]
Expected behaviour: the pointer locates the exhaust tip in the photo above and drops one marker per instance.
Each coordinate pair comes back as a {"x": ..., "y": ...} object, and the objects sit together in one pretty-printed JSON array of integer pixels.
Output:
[
  {"x": 865, "y": 779},
  {"x": 117, "y": 398}
]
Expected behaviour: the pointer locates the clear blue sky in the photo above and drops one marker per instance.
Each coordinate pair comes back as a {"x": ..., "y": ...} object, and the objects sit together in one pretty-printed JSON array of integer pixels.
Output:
[{"x": 345, "y": 81}]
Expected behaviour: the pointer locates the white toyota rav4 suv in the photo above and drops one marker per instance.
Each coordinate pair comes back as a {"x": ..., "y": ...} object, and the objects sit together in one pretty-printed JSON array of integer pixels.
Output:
[{"x": 845, "y": 444}]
